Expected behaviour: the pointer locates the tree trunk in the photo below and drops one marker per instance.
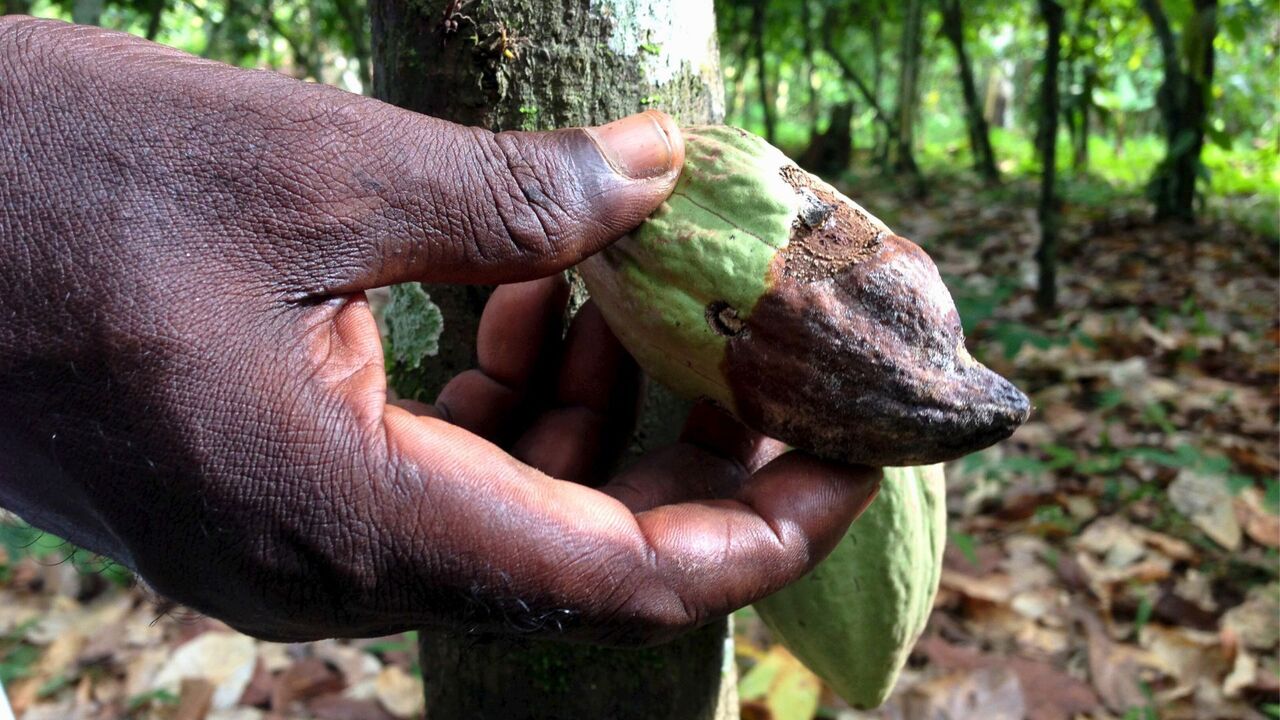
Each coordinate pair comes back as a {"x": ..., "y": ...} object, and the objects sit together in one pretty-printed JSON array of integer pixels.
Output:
[
  {"x": 536, "y": 64},
  {"x": 1183, "y": 100},
  {"x": 1046, "y": 142},
  {"x": 1080, "y": 68},
  {"x": 984, "y": 158},
  {"x": 869, "y": 93},
  {"x": 15, "y": 7},
  {"x": 154, "y": 20},
  {"x": 806, "y": 19},
  {"x": 1083, "y": 111},
  {"x": 831, "y": 152},
  {"x": 904, "y": 159},
  {"x": 762, "y": 70},
  {"x": 883, "y": 139}
]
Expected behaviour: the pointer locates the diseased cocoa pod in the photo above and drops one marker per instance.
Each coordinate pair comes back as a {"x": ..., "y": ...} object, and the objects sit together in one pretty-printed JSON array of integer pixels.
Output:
[{"x": 761, "y": 288}]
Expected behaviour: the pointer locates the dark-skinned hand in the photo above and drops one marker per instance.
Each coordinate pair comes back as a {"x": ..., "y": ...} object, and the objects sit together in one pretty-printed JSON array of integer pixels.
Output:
[{"x": 191, "y": 381}]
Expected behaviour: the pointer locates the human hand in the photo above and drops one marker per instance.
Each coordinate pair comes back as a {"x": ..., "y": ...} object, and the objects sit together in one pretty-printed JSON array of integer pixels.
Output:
[{"x": 191, "y": 381}]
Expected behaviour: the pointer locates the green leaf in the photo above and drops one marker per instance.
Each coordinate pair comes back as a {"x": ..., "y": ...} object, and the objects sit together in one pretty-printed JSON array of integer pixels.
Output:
[
  {"x": 16, "y": 663},
  {"x": 1142, "y": 616},
  {"x": 158, "y": 697},
  {"x": 1219, "y": 137},
  {"x": 967, "y": 546},
  {"x": 787, "y": 688},
  {"x": 414, "y": 324}
]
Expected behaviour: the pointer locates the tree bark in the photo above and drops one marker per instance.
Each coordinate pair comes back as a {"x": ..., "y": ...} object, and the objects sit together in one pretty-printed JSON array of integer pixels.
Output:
[
  {"x": 758, "y": 8},
  {"x": 1046, "y": 142},
  {"x": 984, "y": 158},
  {"x": 536, "y": 64},
  {"x": 1183, "y": 100}
]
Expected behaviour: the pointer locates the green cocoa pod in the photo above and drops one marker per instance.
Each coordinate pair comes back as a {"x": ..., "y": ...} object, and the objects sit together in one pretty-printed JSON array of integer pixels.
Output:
[
  {"x": 763, "y": 289},
  {"x": 854, "y": 619}
]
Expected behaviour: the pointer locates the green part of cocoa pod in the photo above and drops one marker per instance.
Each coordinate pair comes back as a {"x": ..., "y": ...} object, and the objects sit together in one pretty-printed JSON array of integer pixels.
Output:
[
  {"x": 854, "y": 619},
  {"x": 761, "y": 288}
]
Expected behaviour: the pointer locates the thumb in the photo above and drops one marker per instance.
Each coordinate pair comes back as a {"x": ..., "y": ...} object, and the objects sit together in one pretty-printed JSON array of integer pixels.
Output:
[{"x": 470, "y": 206}]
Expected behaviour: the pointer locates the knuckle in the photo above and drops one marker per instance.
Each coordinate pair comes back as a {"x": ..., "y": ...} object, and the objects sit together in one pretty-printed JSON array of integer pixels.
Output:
[{"x": 535, "y": 197}]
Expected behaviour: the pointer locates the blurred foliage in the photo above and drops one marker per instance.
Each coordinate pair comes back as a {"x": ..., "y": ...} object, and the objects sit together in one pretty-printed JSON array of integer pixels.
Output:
[
  {"x": 1112, "y": 66},
  {"x": 1112, "y": 70},
  {"x": 322, "y": 40}
]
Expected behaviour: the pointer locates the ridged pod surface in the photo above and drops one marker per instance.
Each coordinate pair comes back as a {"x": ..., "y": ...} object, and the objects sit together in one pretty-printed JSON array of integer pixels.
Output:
[
  {"x": 761, "y": 288},
  {"x": 854, "y": 619}
]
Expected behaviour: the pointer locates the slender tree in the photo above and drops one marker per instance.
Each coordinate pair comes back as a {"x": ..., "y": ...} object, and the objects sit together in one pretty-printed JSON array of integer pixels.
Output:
[
  {"x": 536, "y": 64},
  {"x": 984, "y": 158},
  {"x": 1046, "y": 142},
  {"x": 1183, "y": 100},
  {"x": 758, "y": 12},
  {"x": 904, "y": 153},
  {"x": 1081, "y": 68},
  {"x": 910, "y": 57},
  {"x": 806, "y": 38}
]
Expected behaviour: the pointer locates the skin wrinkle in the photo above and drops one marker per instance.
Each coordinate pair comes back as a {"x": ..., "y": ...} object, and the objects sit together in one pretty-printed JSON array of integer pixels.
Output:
[{"x": 504, "y": 193}]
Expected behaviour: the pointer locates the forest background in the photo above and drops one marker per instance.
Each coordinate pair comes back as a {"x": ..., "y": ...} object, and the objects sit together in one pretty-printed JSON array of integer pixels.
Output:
[{"x": 1099, "y": 183}]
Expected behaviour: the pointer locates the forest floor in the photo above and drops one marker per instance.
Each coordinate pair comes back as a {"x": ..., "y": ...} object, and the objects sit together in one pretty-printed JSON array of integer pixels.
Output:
[{"x": 1116, "y": 558}]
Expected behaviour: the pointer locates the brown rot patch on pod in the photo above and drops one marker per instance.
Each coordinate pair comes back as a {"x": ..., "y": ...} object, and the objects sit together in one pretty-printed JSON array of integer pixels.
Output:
[
  {"x": 724, "y": 320},
  {"x": 829, "y": 234},
  {"x": 869, "y": 366}
]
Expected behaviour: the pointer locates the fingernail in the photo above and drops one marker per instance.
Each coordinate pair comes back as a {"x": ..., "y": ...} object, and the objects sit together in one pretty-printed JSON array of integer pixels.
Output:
[{"x": 640, "y": 146}]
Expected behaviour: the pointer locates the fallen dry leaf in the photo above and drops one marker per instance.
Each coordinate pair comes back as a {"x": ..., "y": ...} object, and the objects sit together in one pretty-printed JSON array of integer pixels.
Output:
[
  {"x": 1256, "y": 621},
  {"x": 337, "y": 707},
  {"x": 1049, "y": 693},
  {"x": 993, "y": 693},
  {"x": 1187, "y": 656},
  {"x": 1244, "y": 673},
  {"x": 1207, "y": 503},
  {"x": 305, "y": 679},
  {"x": 1115, "y": 670},
  {"x": 399, "y": 692},
  {"x": 194, "y": 699},
  {"x": 1259, "y": 523},
  {"x": 990, "y": 588},
  {"x": 225, "y": 659}
]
